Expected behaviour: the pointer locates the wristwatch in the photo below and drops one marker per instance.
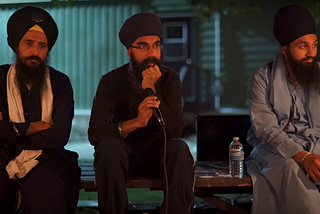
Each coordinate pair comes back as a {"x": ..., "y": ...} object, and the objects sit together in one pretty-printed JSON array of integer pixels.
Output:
[{"x": 120, "y": 130}]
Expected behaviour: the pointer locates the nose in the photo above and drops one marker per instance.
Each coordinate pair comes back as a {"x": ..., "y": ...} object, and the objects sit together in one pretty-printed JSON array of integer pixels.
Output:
[
  {"x": 151, "y": 50},
  {"x": 35, "y": 50},
  {"x": 312, "y": 51}
]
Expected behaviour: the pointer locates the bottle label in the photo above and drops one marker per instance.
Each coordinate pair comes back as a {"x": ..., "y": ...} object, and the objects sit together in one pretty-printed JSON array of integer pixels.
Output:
[{"x": 236, "y": 154}]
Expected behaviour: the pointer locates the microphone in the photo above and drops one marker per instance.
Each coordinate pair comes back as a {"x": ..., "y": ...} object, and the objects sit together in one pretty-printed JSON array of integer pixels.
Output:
[{"x": 156, "y": 111}]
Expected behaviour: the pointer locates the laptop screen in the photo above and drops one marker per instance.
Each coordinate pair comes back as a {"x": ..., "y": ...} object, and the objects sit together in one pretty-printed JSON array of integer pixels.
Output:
[{"x": 215, "y": 133}]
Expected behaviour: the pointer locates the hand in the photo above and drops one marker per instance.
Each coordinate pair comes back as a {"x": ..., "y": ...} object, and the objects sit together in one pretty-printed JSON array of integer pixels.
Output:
[
  {"x": 312, "y": 166},
  {"x": 1, "y": 116},
  {"x": 146, "y": 109},
  {"x": 38, "y": 126},
  {"x": 150, "y": 77}
]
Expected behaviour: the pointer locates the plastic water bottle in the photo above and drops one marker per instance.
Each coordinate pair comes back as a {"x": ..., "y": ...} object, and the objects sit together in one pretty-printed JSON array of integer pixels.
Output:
[{"x": 236, "y": 157}]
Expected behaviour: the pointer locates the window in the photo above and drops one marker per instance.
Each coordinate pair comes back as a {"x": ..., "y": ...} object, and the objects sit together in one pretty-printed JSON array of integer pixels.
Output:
[{"x": 175, "y": 38}]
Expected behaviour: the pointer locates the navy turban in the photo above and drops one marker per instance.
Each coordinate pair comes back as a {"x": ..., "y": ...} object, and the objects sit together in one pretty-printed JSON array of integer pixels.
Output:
[
  {"x": 140, "y": 24},
  {"x": 25, "y": 18},
  {"x": 292, "y": 22}
]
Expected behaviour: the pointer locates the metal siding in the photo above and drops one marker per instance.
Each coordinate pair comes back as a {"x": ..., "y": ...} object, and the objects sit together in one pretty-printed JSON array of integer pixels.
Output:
[
  {"x": 171, "y": 6},
  {"x": 206, "y": 60},
  {"x": 87, "y": 46},
  {"x": 6, "y": 54}
]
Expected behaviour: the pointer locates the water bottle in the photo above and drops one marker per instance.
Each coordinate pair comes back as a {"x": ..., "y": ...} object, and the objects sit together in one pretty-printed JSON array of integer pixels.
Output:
[{"x": 236, "y": 157}]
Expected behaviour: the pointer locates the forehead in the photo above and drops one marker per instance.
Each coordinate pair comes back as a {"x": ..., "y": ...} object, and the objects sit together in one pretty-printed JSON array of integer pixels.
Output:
[
  {"x": 147, "y": 39},
  {"x": 37, "y": 36}
]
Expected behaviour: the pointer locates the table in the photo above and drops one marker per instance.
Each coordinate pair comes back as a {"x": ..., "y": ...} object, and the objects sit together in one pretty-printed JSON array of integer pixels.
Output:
[{"x": 211, "y": 178}]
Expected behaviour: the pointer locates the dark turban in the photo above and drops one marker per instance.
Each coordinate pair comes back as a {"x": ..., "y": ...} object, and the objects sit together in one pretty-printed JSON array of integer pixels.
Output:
[
  {"x": 292, "y": 22},
  {"x": 25, "y": 18},
  {"x": 140, "y": 24}
]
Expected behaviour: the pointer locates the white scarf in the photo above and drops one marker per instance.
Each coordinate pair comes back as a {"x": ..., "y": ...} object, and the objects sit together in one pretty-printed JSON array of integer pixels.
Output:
[{"x": 26, "y": 160}]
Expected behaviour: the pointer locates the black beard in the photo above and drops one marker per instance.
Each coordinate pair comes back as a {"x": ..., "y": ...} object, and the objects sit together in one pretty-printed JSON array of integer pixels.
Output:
[
  {"x": 139, "y": 67},
  {"x": 34, "y": 75},
  {"x": 307, "y": 74}
]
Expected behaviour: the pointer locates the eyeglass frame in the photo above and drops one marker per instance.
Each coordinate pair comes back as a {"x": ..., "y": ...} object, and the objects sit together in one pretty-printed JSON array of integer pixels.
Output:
[{"x": 148, "y": 47}]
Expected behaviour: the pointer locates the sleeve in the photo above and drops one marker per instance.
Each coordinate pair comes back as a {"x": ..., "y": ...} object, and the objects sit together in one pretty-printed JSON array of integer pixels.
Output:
[
  {"x": 22, "y": 128},
  {"x": 171, "y": 106},
  {"x": 62, "y": 115},
  {"x": 264, "y": 119},
  {"x": 8, "y": 135},
  {"x": 102, "y": 107}
]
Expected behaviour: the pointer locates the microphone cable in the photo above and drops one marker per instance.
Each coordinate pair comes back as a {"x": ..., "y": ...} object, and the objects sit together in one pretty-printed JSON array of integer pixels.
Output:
[
  {"x": 158, "y": 115},
  {"x": 165, "y": 165}
]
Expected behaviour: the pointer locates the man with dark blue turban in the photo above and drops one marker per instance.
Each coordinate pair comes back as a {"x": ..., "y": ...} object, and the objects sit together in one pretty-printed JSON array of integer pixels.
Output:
[
  {"x": 22, "y": 20},
  {"x": 136, "y": 121},
  {"x": 284, "y": 100},
  {"x": 36, "y": 112}
]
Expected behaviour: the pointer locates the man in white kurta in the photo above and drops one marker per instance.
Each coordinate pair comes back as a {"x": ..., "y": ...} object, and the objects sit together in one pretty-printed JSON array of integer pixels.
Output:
[{"x": 284, "y": 102}]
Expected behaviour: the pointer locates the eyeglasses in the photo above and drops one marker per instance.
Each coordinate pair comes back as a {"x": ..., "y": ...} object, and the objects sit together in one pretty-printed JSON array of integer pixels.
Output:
[{"x": 146, "y": 48}]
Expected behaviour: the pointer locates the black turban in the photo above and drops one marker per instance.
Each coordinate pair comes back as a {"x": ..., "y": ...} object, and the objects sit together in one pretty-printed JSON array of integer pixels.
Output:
[
  {"x": 25, "y": 18},
  {"x": 292, "y": 22},
  {"x": 140, "y": 24}
]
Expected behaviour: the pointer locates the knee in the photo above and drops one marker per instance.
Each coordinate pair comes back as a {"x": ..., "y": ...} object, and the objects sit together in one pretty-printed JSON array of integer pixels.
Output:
[
  {"x": 178, "y": 148},
  {"x": 110, "y": 150},
  {"x": 177, "y": 145},
  {"x": 109, "y": 146},
  {"x": 290, "y": 166}
]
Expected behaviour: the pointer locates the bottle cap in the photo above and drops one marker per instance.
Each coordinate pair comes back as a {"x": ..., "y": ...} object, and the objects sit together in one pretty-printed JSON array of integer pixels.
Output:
[{"x": 235, "y": 138}]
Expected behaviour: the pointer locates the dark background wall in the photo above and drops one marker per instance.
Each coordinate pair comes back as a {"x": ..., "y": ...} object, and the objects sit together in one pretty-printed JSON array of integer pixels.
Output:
[{"x": 247, "y": 44}]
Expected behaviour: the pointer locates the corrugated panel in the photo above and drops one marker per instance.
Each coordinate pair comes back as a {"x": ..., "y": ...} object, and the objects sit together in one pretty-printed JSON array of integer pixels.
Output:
[
  {"x": 252, "y": 44},
  {"x": 171, "y": 6},
  {"x": 87, "y": 46},
  {"x": 5, "y": 51},
  {"x": 207, "y": 59}
]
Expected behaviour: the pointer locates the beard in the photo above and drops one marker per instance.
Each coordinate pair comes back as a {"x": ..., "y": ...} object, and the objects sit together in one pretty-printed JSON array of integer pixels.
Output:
[
  {"x": 33, "y": 74},
  {"x": 307, "y": 74},
  {"x": 138, "y": 68}
]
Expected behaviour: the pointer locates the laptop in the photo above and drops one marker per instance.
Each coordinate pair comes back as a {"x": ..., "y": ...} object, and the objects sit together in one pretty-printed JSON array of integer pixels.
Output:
[{"x": 215, "y": 132}]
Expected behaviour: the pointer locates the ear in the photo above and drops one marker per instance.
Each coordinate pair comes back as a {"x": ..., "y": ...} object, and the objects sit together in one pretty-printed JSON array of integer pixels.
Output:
[
  {"x": 129, "y": 52},
  {"x": 284, "y": 50}
]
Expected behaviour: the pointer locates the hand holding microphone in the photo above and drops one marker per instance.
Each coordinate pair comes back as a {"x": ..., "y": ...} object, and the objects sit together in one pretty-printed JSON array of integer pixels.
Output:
[{"x": 156, "y": 111}]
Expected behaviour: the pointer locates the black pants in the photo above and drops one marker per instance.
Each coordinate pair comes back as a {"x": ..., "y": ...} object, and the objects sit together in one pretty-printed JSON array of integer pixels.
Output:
[
  {"x": 115, "y": 160},
  {"x": 52, "y": 186}
]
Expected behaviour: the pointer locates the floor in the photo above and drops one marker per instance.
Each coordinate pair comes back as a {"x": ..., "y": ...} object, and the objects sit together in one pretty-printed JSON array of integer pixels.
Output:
[{"x": 199, "y": 208}]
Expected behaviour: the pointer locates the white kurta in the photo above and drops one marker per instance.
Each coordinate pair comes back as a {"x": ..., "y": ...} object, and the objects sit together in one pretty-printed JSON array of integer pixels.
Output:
[{"x": 285, "y": 120}]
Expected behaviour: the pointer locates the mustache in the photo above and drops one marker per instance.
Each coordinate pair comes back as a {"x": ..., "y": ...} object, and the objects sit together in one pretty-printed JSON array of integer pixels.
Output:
[
  {"x": 151, "y": 59},
  {"x": 34, "y": 58},
  {"x": 308, "y": 58}
]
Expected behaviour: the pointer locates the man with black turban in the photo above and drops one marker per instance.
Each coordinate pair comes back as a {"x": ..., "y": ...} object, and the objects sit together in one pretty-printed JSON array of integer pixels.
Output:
[
  {"x": 136, "y": 121},
  {"x": 284, "y": 103},
  {"x": 36, "y": 112}
]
